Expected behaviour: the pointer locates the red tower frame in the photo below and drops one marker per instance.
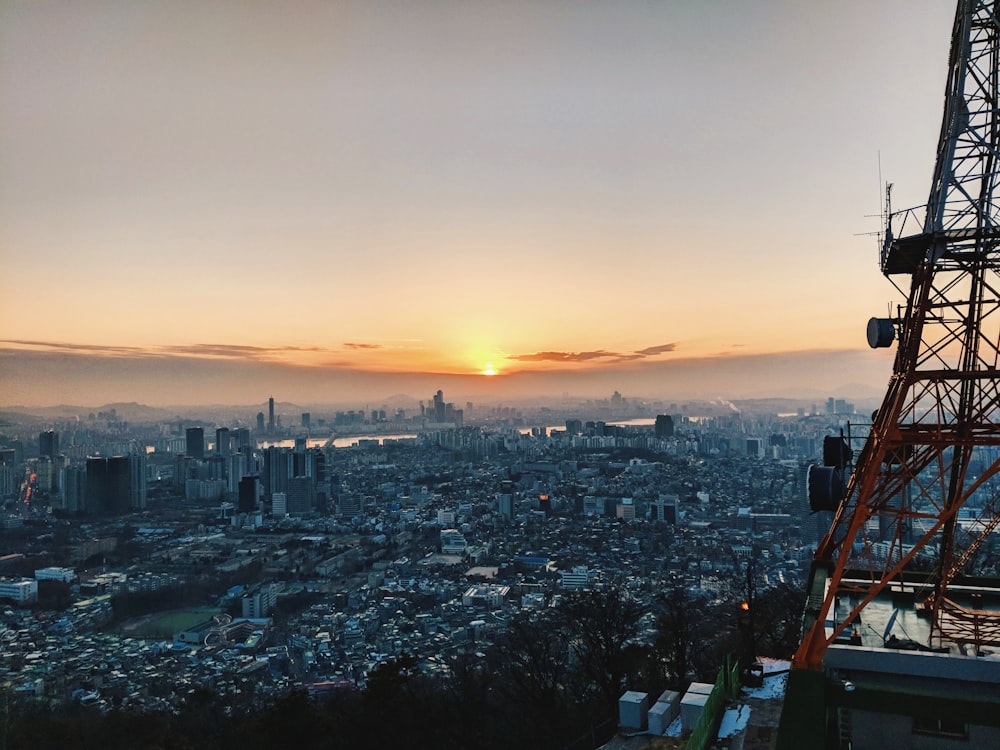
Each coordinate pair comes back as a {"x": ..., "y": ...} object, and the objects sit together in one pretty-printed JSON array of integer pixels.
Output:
[{"x": 924, "y": 493}]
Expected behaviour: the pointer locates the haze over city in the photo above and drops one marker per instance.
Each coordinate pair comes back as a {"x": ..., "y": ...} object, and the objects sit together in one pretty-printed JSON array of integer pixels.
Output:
[{"x": 323, "y": 201}]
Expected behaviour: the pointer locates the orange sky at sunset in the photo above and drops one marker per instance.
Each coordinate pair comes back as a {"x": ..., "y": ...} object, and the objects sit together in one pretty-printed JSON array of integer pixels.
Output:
[{"x": 237, "y": 193}]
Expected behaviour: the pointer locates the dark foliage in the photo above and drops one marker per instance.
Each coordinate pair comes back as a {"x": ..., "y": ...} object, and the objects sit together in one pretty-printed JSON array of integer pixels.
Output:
[
  {"x": 552, "y": 680},
  {"x": 778, "y": 620}
]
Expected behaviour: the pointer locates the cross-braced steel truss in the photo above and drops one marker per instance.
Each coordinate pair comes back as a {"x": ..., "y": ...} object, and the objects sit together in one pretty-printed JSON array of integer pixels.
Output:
[{"x": 925, "y": 491}]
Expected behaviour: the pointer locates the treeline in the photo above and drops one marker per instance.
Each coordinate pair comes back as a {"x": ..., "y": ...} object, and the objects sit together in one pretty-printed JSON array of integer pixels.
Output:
[
  {"x": 194, "y": 591},
  {"x": 552, "y": 680}
]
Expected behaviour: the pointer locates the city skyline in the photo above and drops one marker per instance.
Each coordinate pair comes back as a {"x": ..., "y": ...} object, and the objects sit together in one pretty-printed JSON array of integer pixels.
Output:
[{"x": 494, "y": 199}]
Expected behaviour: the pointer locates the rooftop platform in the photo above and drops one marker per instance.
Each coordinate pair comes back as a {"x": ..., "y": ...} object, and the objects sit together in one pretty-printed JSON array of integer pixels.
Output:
[
  {"x": 880, "y": 679},
  {"x": 905, "y": 254}
]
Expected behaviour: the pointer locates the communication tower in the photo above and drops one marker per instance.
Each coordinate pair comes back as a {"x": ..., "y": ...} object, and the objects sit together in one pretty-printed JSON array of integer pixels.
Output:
[{"x": 923, "y": 495}]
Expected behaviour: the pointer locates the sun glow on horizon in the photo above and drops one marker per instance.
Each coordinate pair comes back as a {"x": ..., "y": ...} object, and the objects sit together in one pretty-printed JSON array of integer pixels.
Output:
[{"x": 489, "y": 370}]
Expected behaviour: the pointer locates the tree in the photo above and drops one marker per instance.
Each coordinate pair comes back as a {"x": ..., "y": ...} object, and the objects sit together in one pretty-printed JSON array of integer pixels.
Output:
[
  {"x": 598, "y": 625},
  {"x": 296, "y": 716},
  {"x": 533, "y": 673},
  {"x": 778, "y": 620},
  {"x": 675, "y": 634}
]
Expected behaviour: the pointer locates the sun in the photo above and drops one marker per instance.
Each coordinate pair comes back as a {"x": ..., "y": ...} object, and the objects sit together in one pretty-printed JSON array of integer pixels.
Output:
[{"x": 489, "y": 370}]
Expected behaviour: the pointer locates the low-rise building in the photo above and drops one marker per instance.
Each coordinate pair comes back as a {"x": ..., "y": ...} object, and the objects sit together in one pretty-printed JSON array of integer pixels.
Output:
[{"x": 19, "y": 591}]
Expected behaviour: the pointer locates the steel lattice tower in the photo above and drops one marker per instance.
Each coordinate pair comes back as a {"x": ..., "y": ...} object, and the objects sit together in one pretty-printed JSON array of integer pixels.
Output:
[{"x": 934, "y": 447}]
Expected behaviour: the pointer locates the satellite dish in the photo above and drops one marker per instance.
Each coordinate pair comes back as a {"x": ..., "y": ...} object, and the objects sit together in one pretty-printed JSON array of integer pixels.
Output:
[
  {"x": 825, "y": 488},
  {"x": 888, "y": 625},
  {"x": 881, "y": 333}
]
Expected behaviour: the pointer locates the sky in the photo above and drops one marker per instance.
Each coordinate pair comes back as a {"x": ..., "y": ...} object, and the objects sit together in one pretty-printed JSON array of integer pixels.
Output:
[{"x": 509, "y": 197}]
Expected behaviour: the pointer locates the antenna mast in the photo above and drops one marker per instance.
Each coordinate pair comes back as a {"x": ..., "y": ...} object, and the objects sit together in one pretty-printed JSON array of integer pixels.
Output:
[{"x": 933, "y": 447}]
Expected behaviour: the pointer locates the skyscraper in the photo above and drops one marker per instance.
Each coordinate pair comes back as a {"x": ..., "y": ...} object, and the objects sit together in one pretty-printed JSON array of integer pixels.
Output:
[
  {"x": 249, "y": 494},
  {"x": 236, "y": 469},
  {"x": 664, "y": 426},
  {"x": 195, "y": 445},
  {"x": 74, "y": 489},
  {"x": 270, "y": 414},
  {"x": 242, "y": 437},
  {"x": 223, "y": 445},
  {"x": 137, "y": 480},
  {"x": 277, "y": 469},
  {"x": 505, "y": 504},
  {"x": 665, "y": 508},
  {"x": 301, "y": 496},
  {"x": 48, "y": 444},
  {"x": 108, "y": 485}
]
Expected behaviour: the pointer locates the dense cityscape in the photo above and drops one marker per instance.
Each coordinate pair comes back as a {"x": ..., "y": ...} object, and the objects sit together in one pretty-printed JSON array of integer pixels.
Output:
[
  {"x": 231, "y": 230},
  {"x": 298, "y": 551}
]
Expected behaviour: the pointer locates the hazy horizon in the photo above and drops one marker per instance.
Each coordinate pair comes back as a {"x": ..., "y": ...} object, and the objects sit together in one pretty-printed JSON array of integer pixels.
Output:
[{"x": 81, "y": 378}]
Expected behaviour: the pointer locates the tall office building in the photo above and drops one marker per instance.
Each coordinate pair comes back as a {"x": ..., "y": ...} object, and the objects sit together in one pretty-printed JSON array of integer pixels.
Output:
[
  {"x": 249, "y": 494},
  {"x": 260, "y": 421},
  {"x": 665, "y": 509},
  {"x": 97, "y": 486},
  {"x": 241, "y": 440},
  {"x": 18, "y": 447},
  {"x": 184, "y": 469},
  {"x": 45, "y": 474},
  {"x": 223, "y": 443},
  {"x": 350, "y": 505},
  {"x": 277, "y": 470},
  {"x": 137, "y": 480},
  {"x": 236, "y": 469},
  {"x": 505, "y": 503},
  {"x": 108, "y": 485},
  {"x": 270, "y": 415},
  {"x": 213, "y": 469},
  {"x": 74, "y": 489},
  {"x": 195, "y": 442},
  {"x": 301, "y": 496},
  {"x": 48, "y": 444},
  {"x": 316, "y": 465},
  {"x": 664, "y": 426},
  {"x": 7, "y": 484}
]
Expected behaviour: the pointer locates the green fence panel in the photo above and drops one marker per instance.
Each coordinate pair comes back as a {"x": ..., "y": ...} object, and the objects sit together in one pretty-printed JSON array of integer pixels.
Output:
[{"x": 727, "y": 688}]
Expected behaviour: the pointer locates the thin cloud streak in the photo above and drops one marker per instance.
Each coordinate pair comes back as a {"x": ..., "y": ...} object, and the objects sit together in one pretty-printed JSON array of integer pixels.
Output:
[
  {"x": 234, "y": 351},
  {"x": 199, "y": 351},
  {"x": 652, "y": 351},
  {"x": 608, "y": 357},
  {"x": 329, "y": 356},
  {"x": 351, "y": 345},
  {"x": 57, "y": 346},
  {"x": 562, "y": 356}
]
